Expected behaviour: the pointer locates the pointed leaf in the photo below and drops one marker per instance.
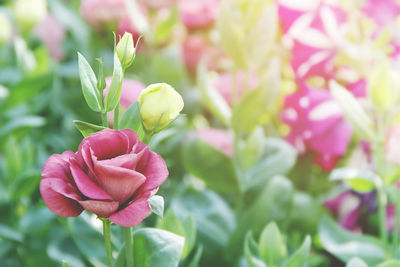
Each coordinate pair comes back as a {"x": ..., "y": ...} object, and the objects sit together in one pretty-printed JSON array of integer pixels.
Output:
[
  {"x": 87, "y": 128},
  {"x": 114, "y": 93},
  {"x": 299, "y": 258},
  {"x": 89, "y": 84},
  {"x": 272, "y": 247},
  {"x": 157, "y": 205}
]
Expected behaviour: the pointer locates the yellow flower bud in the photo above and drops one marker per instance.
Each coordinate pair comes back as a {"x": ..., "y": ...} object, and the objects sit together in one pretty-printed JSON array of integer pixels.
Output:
[
  {"x": 29, "y": 12},
  {"x": 126, "y": 50},
  {"x": 5, "y": 29},
  {"x": 159, "y": 104}
]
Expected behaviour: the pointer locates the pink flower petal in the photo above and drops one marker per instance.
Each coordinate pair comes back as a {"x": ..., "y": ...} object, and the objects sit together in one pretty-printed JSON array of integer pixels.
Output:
[
  {"x": 120, "y": 183},
  {"x": 218, "y": 139},
  {"x": 85, "y": 185},
  {"x": 57, "y": 166},
  {"x": 134, "y": 213},
  {"x": 60, "y": 197},
  {"x": 156, "y": 172},
  {"x": 99, "y": 207},
  {"x": 106, "y": 144}
]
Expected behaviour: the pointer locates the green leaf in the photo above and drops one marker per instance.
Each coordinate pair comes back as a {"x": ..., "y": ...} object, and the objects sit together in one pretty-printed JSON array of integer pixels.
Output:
[
  {"x": 195, "y": 261},
  {"x": 114, "y": 92},
  {"x": 10, "y": 234},
  {"x": 277, "y": 157},
  {"x": 64, "y": 264},
  {"x": 157, "y": 205},
  {"x": 155, "y": 247},
  {"x": 353, "y": 111},
  {"x": 361, "y": 181},
  {"x": 186, "y": 228},
  {"x": 211, "y": 98},
  {"x": 189, "y": 226},
  {"x": 65, "y": 250},
  {"x": 356, "y": 262},
  {"x": 271, "y": 204},
  {"x": 165, "y": 27},
  {"x": 131, "y": 118},
  {"x": 212, "y": 166},
  {"x": 26, "y": 184},
  {"x": 346, "y": 245},
  {"x": 300, "y": 257},
  {"x": 87, "y": 128},
  {"x": 390, "y": 263},
  {"x": 88, "y": 240},
  {"x": 89, "y": 85},
  {"x": 21, "y": 123},
  {"x": 272, "y": 247},
  {"x": 251, "y": 252},
  {"x": 214, "y": 219}
]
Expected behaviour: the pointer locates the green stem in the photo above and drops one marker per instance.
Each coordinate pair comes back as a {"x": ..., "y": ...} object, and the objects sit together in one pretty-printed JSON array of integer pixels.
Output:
[
  {"x": 116, "y": 117},
  {"x": 147, "y": 137},
  {"x": 107, "y": 240},
  {"x": 104, "y": 119},
  {"x": 396, "y": 226},
  {"x": 127, "y": 234},
  {"x": 382, "y": 200}
]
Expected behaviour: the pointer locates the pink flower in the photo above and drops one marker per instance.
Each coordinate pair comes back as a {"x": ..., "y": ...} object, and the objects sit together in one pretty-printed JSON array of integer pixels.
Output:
[
  {"x": 313, "y": 36},
  {"x": 99, "y": 12},
  {"x": 383, "y": 12},
  {"x": 130, "y": 92},
  {"x": 112, "y": 175},
  {"x": 392, "y": 145},
  {"x": 194, "y": 48},
  {"x": 51, "y": 33},
  {"x": 317, "y": 125},
  {"x": 197, "y": 14},
  {"x": 224, "y": 84},
  {"x": 218, "y": 139},
  {"x": 390, "y": 213},
  {"x": 347, "y": 208}
]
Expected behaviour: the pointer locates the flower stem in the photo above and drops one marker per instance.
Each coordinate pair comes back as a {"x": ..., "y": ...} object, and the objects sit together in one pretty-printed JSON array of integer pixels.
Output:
[
  {"x": 127, "y": 234},
  {"x": 382, "y": 199},
  {"x": 116, "y": 117},
  {"x": 107, "y": 240},
  {"x": 396, "y": 241},
  {"x": 104, "y": 119}
]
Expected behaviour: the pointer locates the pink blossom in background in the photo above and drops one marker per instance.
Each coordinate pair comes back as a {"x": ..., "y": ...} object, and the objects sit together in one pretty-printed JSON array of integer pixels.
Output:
[
  {"x": 130, "y": 92},
  {"x": 112, "y": 175},
  {"x": 392, "y": 145},
  {"x": 313, "y": 38},
  {"x": 125, "y": 25},
  {"x": 218, "y": 139},
  {"x": 317, "y": 125},
  {"x": 52, "y": 34},
  {"x": 198, "y": 14},
  {"x": 347, "y": 208},
  {"x": 382, "y": 12},
  {"x": 390, "y": 212},
  {"x": 358, "y": 88},
  {"x": 99, "y": 12},
  {"x": 194, "y": 48},
  {"x": 224, "y": 84}
]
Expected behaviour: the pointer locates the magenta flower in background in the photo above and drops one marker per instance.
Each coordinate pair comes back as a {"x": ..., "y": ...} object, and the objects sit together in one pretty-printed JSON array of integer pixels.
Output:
[
  {"x": 99, "y": 12},
  {"x": 392, "y": 145},
  {"x": 194, "y": 48},
  {"x": 346, "y": 207},
  {"x": 313, "y": 35},
  {"x": 382, "y": 12},
  {"x": 218, "y": 139},
  {"x": 198, "y": 14},
  {"x": 112, "y": 175},
  {"x": 51, "y": 33},
  {"x": 224, "y": 84},
  {"x": 317, "y": 125}
]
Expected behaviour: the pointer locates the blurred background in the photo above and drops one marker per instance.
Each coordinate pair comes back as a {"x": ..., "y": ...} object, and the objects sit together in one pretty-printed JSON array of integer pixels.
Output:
[{"x": 264, "y": 137}]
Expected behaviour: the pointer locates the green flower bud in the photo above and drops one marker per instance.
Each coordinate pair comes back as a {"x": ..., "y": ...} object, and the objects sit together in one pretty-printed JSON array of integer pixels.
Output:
[
  {"x": 126, "y": 50},
  {"x": 159, "y": 104},
  {"x": 29, "y": 12},
  {"x": 5, "y": 29}
]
